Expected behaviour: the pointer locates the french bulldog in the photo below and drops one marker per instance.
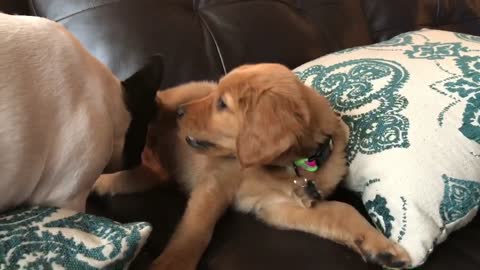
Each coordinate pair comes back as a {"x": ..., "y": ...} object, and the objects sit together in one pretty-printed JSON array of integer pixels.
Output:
[{"x": 64, "y": 117}]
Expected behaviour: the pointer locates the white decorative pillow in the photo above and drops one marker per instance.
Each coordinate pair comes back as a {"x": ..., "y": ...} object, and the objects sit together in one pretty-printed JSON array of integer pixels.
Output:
[
  {"x": 413, "y": 108},
  {"x": 52, "y": 238}
]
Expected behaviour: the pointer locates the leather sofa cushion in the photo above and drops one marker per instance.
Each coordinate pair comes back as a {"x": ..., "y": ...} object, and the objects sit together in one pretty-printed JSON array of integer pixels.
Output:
[
  {"x": 390, "y": 18},
  {"x": 203, "y": 39}
]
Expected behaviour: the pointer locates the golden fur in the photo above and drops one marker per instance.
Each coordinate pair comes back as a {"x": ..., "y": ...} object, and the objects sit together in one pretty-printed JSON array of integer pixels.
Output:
[{"x": 256, "y": 120}]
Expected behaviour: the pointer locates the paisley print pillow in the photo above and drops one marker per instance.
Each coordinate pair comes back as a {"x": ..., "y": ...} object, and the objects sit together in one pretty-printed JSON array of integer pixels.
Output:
[
  {"x": 52, "y": 238},
  {"x": 412, "y": 104}
]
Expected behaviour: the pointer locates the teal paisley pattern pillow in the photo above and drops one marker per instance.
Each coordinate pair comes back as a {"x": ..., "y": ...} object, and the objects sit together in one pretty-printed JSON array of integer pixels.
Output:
[
  {"x": 460, "y": 197},
  {"x": 412, "y": 104},
  {"x": 351, "y": 86},
  {"x": 464, "y": 88},
  {"x": 52, "y": 238}
]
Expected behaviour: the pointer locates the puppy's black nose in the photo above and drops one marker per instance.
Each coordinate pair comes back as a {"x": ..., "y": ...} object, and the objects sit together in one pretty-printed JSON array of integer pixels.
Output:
[{"x": 180, "y": 112}]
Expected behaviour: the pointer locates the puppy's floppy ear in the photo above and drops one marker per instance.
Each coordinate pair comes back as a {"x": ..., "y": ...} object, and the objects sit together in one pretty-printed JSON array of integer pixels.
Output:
[
  {"x": 139, "y": 95},
  {"x": 272, "y": 124},
  {"x": 182, "y": 94},
  {"x": 326, "y": 121}
]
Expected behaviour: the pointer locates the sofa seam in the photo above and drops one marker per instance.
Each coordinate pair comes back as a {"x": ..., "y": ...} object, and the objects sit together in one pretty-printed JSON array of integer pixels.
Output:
[
  {"x": 212, "y": 36},
  {"x": 33, "y": 8},
  {"x": 367, "y": 22},
  {"x": 88, "y": 9},
  {"x": 109, "y": 2},
  {"x": 284, "y": 2},
  {"x": 437, "y": 15}
]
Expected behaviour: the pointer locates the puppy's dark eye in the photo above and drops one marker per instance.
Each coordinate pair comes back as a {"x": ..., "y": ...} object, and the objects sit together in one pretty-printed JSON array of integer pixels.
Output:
[{"x": 221, "y": 105}]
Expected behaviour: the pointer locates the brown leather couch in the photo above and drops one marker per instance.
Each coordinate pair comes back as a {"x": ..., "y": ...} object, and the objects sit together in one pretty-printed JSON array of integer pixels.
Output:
[{"x": 204, "y": 39}]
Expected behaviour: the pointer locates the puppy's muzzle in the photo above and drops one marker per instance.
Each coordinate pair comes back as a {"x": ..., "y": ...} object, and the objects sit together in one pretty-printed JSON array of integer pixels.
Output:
[{"x": 198, "y": 144}]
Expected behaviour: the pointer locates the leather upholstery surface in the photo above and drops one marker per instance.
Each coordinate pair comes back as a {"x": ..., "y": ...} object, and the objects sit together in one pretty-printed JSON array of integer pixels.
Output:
[{"x": 203, "y": 39}]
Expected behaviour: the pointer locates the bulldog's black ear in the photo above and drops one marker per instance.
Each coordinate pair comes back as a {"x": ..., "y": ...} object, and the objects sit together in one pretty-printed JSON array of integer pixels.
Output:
[
  {"x": 139, "y": 95},
  {"x": 143, "y": 84}
]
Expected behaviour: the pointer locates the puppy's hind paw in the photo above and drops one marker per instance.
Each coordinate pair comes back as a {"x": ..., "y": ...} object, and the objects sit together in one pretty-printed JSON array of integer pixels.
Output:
[
  {"x": 384, "y": 252},
  {"x": 104, "y": 185}
]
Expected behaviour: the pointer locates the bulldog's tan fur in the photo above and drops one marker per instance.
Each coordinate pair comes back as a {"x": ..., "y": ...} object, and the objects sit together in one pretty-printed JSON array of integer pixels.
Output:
[{"x": 63, "y": 115}]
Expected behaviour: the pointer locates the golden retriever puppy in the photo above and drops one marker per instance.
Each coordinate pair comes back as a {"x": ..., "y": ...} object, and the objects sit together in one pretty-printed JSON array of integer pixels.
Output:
[{"x": 235, "y": 145}]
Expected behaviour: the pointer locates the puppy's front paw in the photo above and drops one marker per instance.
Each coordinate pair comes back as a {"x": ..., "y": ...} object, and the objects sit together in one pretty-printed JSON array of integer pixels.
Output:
[
  {"x": 380, "y": 250},
  {"x": 172, "y": 263},
  {"x": 104, "y": 185}
]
